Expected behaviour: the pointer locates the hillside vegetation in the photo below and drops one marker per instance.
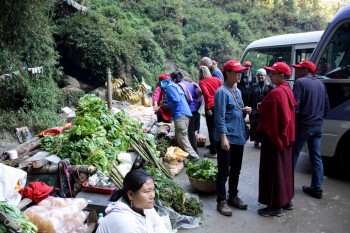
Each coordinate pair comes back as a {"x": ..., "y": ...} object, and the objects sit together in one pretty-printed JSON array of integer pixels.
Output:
[{"x": 132, "y": 37}]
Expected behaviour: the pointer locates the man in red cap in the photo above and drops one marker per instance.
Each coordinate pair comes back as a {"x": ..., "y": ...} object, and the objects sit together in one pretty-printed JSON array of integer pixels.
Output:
[
  {"x": 230, "y": 137},
  {"x": 276, "y": 132},
  {"x": 313, "y": 106}
]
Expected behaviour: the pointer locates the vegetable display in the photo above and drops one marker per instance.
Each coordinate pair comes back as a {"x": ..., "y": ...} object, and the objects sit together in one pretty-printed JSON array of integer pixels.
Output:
[
  {"x": 96, "y": 137},
  {"x": 204, "y": 169}
]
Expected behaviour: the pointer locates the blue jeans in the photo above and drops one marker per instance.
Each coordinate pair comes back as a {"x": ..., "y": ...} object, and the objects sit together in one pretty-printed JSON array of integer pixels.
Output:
[{"x": 310, "y": 134}]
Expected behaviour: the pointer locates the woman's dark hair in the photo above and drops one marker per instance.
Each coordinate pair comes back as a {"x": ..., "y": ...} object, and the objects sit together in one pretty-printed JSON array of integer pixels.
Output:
[
  {"x": 176, "y": 76},
  {"x": 133, "y": 181}
]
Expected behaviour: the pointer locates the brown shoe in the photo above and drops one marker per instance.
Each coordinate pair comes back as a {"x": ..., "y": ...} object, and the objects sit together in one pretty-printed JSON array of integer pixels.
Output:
[
  {"x": 224, "y": 209},
  {"x": 237, "y": 203}
]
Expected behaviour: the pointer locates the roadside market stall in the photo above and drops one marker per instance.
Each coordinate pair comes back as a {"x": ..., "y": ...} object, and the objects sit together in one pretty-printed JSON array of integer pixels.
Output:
[{"x": 100, "y": 145}]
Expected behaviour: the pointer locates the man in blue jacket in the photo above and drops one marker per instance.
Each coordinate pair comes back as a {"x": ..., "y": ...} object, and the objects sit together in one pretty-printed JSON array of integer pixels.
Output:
[
  {"x": 313, "y": 106},
  {"x": 177, "y": 104}
]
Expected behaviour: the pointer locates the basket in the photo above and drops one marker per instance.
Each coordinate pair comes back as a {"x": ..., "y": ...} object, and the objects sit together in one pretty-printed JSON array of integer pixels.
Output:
[
  {"x": 96, "y": 189},
  {"x": 206, "y": 186}
]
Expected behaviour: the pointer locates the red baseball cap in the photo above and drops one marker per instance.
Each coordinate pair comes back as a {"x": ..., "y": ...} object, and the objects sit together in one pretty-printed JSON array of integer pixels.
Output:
[
  {"x": 305, "y": 64},
  {"x": 234, "y": 65},
  {"x": 162, "y": 77},
  {"x": 247, "y": 64},
  {"x": 280, "y": 67}
]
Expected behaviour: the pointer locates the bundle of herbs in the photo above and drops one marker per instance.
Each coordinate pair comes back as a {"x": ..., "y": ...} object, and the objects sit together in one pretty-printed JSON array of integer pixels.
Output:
[
  {"x": 204, "y": 169},
  {"x": 172, "y": 195}
]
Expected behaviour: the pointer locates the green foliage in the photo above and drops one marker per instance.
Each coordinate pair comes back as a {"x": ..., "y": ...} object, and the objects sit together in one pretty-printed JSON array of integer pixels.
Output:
[
  {"x": 26, "y": 35},
  {"x": 35, "y": 101}
]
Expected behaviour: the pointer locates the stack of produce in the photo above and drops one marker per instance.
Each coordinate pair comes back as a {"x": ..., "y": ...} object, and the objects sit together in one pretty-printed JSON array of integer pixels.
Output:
[
  {"x": 142, "y": 114},
  {"x": 55, "y": 214}
]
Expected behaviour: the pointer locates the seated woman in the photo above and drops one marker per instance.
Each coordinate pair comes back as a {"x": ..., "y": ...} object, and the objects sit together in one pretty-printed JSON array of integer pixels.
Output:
[{"x": 133, "y": 210}]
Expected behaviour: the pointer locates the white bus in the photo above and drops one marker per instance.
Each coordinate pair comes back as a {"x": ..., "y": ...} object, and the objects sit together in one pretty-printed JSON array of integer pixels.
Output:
[{"x": 290, "y": 48}]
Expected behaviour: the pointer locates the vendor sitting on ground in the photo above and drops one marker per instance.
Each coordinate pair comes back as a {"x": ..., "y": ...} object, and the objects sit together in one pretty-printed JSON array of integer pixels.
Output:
[{"x": 133, "y": 211}]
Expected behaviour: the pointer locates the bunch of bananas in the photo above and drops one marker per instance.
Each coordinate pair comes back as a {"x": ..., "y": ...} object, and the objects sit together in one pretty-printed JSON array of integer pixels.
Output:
[
  {"x": 116, "y": 83},
  {"x": 126, "y": 94},
  {"x": 141, "y": 87},
  {"x": 135, "y": 97}
]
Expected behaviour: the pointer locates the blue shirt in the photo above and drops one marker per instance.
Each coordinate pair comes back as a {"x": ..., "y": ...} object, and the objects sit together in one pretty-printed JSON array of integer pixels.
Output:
[
  {"x": 217, "y": 73},
  {"x": 228, "y": 116},
  {"x": 312, "y": 99},
  {"x": 176, "y": 101}
]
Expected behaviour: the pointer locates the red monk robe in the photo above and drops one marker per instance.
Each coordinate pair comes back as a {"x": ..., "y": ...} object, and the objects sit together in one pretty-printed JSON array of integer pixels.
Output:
[{"x": 276, "y": 131}]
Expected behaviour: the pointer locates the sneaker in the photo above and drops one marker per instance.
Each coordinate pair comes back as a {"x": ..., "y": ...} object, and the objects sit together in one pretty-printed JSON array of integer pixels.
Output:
[
  {"x": 270, "y": 212},
  {"x": 316, "y": 193},
  {"x": 223, "y": 208},
  {"x": 237, "y": 203},
  {"x": 288, "y": 206},
  {"x": 210, "y": 155}
]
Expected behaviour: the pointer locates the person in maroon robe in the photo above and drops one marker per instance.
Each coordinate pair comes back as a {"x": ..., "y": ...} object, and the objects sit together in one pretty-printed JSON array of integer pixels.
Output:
[{"x": 276, "y": 132}]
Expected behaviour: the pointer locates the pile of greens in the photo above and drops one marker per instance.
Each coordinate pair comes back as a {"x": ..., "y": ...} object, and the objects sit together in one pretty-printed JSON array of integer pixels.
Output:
[
  {"x": 172, "y": 194},
  {"x": 163, "y": 143},
  {"x": 96, "y": 137},
  {"x": 17, "y": 217},
  {"x": 204, "y": 169}
]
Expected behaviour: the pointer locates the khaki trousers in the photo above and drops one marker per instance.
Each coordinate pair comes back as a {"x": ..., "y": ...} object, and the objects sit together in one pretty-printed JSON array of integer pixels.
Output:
[{"x": 181, "y": 135}]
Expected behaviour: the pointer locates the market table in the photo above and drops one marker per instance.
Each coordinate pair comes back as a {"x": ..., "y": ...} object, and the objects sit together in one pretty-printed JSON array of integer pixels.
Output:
[{"x": 97, "y": 201}]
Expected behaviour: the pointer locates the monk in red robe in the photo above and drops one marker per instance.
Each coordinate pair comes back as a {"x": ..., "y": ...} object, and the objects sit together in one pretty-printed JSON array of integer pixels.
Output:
[{"x": 276, "y": 132}]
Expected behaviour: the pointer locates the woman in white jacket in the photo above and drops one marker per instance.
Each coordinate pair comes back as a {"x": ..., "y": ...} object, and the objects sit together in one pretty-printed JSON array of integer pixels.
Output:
[{"x": 133, "y": 211}]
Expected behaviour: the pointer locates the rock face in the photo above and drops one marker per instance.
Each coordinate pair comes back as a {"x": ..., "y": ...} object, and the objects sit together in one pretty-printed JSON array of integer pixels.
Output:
[
  {"x": 7, "y": 140},
  {"x": 73, "y": 81},
  {"x": 100, "y": 92}
]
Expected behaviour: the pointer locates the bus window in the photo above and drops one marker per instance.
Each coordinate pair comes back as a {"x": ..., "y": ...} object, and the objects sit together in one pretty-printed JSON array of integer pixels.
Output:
[
  {"x": 267, "y": 56},
  {"x": 335, "y": 60},
  {"x": 302, "y": 54}
]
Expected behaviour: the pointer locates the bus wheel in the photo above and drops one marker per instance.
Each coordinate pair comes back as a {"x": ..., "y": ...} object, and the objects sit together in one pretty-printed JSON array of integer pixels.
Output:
[{"x": 344, "y": 156}]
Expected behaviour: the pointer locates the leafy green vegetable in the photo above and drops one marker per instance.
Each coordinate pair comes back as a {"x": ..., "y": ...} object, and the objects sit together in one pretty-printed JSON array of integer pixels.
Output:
[
  {"x": 17, "y": 217},
  {"x": 172, "y": 194},
  {"x": 204, "y": 169}
]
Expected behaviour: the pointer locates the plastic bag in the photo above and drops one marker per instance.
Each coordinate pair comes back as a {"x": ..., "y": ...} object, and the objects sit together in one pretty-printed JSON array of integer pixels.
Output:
[
  {"x": 177, "y": 220},
  {"x": 11, "y": 181},
  {"x": 54, "y": 214},
  {"x": 201, "y": 109}
]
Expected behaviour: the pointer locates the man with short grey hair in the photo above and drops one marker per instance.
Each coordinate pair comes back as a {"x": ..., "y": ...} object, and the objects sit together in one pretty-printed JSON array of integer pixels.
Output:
[{"x": 206, "y": 61}]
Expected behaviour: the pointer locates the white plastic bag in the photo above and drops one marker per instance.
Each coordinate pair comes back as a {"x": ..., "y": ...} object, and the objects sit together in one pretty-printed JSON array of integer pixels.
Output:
[{"x": 11, "y": 181}]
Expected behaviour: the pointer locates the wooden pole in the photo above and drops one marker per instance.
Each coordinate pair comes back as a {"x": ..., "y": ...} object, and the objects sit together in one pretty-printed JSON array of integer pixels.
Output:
[{"x": 109, "y": 88}]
